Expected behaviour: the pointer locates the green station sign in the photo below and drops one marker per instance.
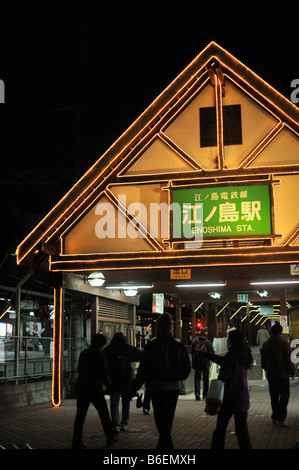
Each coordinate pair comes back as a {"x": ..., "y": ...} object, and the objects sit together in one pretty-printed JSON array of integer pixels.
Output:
[{"x": 216, "y": 212}]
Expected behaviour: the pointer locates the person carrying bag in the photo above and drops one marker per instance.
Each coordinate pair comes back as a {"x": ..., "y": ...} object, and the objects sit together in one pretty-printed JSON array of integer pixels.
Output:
[{"x": 233, "y": 373}]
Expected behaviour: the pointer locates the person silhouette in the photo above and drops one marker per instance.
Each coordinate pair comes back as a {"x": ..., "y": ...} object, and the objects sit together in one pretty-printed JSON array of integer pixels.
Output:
[
  {"x": 92, "y": 373},
  {"x": 233, "y": 372},
  {"x": 120, "y": 355},
  {"x": 164, "y": 363}
]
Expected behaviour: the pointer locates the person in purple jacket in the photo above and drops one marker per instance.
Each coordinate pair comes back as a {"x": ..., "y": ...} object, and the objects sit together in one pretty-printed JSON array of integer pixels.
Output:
[{"x": 233, "y": 372}]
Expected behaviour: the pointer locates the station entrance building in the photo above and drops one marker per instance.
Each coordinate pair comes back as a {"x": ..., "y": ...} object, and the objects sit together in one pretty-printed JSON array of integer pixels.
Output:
[{"x": 198, "y": 199}]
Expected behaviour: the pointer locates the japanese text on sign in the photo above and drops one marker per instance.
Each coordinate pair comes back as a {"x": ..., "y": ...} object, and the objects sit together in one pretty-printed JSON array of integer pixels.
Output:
[{"x": 235, "y": 210}]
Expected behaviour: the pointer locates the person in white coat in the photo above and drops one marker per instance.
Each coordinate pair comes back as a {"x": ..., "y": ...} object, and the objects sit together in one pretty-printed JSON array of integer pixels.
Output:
[{"x": 262, "y": 336}]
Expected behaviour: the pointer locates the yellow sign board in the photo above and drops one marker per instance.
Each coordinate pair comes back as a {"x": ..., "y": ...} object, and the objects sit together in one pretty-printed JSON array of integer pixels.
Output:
[{"x": 180, "y": 273}]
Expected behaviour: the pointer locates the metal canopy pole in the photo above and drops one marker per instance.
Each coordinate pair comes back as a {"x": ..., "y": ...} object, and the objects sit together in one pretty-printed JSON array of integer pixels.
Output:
[
  {"x": 178, "y": 320},
  {"x": 57, "y": 373},
  {"x": 18, "y": 322}
]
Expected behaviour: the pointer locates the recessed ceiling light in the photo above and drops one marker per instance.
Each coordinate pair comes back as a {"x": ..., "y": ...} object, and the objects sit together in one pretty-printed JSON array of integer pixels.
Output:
[
  {"x": 213, "y": 284},
  {"x": 128, "y": 286},
  {"x": 261, "y": 283}
]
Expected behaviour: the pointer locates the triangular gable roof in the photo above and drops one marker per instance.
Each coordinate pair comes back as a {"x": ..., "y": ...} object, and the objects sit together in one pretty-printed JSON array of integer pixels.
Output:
[{"x": 45, "y": 235}]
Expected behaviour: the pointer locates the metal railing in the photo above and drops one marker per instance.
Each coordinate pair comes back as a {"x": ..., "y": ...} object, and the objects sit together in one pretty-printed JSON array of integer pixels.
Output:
[{"x": 29, "y": 358}]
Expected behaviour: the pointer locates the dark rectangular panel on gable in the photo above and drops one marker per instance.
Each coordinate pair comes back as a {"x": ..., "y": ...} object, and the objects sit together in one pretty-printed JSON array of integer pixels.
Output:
[
  {"x": 232, "y": 128},
  {"x": 208, "y": 131}
]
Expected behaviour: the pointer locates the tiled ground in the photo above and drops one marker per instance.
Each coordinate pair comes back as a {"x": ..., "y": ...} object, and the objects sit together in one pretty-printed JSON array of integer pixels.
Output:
[{"x": 45, "y": 427}]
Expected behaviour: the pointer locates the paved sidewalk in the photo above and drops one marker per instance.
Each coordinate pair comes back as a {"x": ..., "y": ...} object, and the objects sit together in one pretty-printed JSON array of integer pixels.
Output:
[{"x": 45, "y": 427}]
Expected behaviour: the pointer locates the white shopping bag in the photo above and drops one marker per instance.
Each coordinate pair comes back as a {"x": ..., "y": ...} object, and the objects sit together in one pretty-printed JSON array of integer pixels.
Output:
[{"x": 214, "y": 397}]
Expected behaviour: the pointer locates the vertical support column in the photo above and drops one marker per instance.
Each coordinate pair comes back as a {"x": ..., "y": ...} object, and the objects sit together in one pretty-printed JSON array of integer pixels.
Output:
[
  {"x": 178, "y": 320},
  {"x": 77, "y": 328},
  {"x": 219, "y": 121},
  {"x": 193, "y": 321},
  {"x": 17, "y": 332},
  {"x": 283, "y": 307},
  {"x": 94, "y": 327},
  {"x": 132, "y": 318},
  {"x": 57, "y": 373}
]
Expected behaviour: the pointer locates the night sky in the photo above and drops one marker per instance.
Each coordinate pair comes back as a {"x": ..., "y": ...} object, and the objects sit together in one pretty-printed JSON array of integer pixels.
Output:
[{"x": 110, "y": 59}]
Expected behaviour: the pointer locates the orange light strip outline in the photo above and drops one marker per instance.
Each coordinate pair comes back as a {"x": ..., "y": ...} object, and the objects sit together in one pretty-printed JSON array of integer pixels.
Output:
[
  {"x": 280, "y": 122},
  {"x": 82, "y": 215},
  {"x": 219, "y": 122},
  {"x": 293, "y": 237},
  {"x": 280, "y": 170},
  {"x": 173, "y": 145},
  {"x": 260, "y": 147},
  {"x": 56, "y": 378},
  {"x": 177, "y": 253},
  {"x": 19, "y": 259},
  {"x": 109, "y": 195},
  {"x": 246, "y": 92},
  {"x": 84, "y": 200},
  {"x": 156, "y": 136},
  {"x": 181, "y": 107},
  {"x": 203, "y": 252},
  {"x": 148, "y": 237},
  {"x": 211, "y": 45},
  {"x": 275, "y": 132},
  {"x": 268, "y": 180},
  {"x": 148, "y": 183},
  {"x": 94, "y": 265},
  {"x": 182, "y": 256},
  {"x": 186, "y": 103},
  {"x": 254, "y": 98},
  {"x": 276, "y": 127},
  {"x": 267, "y": 85},
  {"x": 166, "y": 241},
  {"x": 193, "y": 184},
  {"x": 90, "y": 170}
]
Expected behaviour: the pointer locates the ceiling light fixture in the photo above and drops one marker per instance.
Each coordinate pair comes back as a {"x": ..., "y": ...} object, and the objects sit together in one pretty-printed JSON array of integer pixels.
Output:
[
  {"x": 215, "y": 295},
  {"x": 261, "y": 283},
  {"x": 128, "y": 286},
  {"x": 95, "y": 279},
  {"x": 130, "y": 292},
  {"x": 214, "y": 284},
  {"x": 263, "y": 293}
]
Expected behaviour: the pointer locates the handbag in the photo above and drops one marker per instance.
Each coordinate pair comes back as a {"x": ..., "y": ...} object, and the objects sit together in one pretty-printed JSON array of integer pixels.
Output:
[{"x": 214, "y": 397}]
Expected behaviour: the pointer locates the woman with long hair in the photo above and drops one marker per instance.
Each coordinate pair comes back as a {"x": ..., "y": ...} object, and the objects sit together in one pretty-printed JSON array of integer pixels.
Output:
[{"x": 233, "y": 372}]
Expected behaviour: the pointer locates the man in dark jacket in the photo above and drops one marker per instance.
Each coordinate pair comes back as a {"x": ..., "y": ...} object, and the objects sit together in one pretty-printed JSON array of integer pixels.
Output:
[
  {"x": 120, "y": 355},
  {"x": 275, "y": 359},
  {"x": 92, "y": 374},
  {"x": 201, "y": 364},
  {"x": 163, "y": 365}
]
